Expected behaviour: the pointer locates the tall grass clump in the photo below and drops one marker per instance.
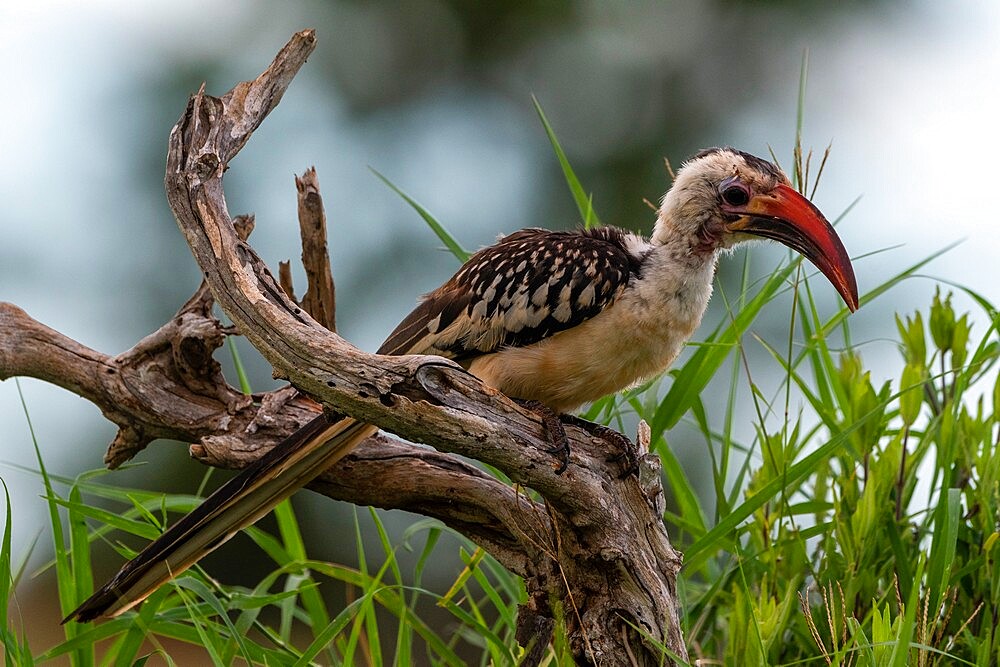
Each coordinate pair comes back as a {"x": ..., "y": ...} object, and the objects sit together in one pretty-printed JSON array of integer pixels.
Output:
[{"x": 862, "y": 531}]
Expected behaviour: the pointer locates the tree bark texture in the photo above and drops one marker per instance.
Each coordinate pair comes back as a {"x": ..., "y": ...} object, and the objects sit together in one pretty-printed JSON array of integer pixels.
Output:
[{"x": 594, "y": 545}]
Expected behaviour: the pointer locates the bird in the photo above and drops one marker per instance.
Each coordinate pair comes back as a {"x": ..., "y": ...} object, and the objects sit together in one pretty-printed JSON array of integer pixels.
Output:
[{"x": 556, "y": 319}]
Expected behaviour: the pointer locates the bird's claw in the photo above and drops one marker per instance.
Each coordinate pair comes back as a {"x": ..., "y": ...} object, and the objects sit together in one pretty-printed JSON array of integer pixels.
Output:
[
  {"x": 561, "y": 451},
  {"x": 628, "y": 452},
  {"x": 554, "y": 433},
  {"x": 557, "y": 437}
]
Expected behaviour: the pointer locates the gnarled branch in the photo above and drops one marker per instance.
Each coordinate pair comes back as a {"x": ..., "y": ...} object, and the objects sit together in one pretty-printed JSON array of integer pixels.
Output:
[{"x": 597, "y": 545}]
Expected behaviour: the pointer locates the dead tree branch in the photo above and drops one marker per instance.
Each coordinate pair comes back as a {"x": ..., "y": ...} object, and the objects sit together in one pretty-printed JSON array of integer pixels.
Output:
[
  {"x": 320, "y": 299},
  {"x": 597, "y": 547}
]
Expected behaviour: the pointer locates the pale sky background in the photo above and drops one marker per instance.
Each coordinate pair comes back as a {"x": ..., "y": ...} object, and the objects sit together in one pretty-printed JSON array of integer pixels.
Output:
[{"x": 908, "y": 96}]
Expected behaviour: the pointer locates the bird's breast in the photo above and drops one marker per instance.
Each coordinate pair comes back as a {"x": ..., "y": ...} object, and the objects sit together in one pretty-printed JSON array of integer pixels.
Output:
[{"x": 630, "y": 341}]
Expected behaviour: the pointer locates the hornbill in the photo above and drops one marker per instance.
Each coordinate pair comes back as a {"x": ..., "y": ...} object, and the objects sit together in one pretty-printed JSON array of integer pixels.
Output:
[{"x": 557, "y": 319}]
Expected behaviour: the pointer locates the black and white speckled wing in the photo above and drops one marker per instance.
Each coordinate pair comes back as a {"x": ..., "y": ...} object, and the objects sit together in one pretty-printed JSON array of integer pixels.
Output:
[{"x": 529, "y": 285}]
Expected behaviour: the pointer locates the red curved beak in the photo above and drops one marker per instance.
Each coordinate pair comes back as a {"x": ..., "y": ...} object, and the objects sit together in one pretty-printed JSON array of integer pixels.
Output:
[{"x": 789, "y": 218}]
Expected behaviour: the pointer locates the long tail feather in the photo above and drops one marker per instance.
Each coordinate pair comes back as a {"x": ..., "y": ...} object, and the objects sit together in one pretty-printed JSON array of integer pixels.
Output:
[{"x": 244, "y": 499}]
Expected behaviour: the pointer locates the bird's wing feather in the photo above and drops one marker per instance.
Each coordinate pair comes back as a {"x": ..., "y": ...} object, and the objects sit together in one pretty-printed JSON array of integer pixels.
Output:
[{"x": 529, "y": 285}]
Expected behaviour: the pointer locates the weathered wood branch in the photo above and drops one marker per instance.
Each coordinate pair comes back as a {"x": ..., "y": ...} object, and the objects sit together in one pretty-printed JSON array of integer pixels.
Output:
[
  {"x": 597, "y": 546},
  {"x": 235, "y": 430},
  {"x": 320, "y": 299}
]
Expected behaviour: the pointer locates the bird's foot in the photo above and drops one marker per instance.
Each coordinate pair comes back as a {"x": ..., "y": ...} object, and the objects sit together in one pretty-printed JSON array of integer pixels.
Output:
[
  {"x": 628, "y": 451},
  {"x": 554, "y": 432}
]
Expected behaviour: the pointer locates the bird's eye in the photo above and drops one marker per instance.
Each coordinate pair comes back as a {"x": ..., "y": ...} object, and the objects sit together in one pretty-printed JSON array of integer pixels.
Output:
[{"x": 735, "y": 195}]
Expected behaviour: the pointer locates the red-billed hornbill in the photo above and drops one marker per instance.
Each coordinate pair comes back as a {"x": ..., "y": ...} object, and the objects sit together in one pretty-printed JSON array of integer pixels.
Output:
[{"x": 556, "y": 318}]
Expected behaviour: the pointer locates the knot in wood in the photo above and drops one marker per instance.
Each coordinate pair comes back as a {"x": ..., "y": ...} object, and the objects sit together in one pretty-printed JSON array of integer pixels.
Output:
[
  {"x": 193, "y": 349},
  {"x": 441, "y": 378},
  {"x": 206, "y": 166}
]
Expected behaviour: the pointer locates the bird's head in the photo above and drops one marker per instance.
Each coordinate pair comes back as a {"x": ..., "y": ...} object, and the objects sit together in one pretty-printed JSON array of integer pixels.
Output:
[{"x": 723, "y": 196}]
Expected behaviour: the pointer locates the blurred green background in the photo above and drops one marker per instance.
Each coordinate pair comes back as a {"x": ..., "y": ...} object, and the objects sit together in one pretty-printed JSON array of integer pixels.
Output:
[{"x": 436, "y": 95}]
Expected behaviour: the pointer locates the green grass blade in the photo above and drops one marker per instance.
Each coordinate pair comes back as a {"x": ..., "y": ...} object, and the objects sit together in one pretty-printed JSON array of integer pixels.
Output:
[
  {"x": 584, "y": 202},
  {"x": 909, "y": 272},
  {"x": 446, "y": 237},
  {"x": 326, "y": 635},
  {"x": 80, "y": 547},
  {"x": 209, "y": 638},
  {"x": 241, "y": 373},
  {"x": 6, "y": 575},
  {"x": 291, "y": 537},
  {"x": 14, "y": 651},
  {"x": 493, "y": 595},
  {"x": 404, "y": 640},
  {"x": 88, "y": 636},
  {"x": 114, "y": 520},
  {"x": 67, "y": 589},
  {"x": 800, "y": 114},
  {"x": 900, "y": 656},
  {"x": 696, "y": 373},
  {"x": 394, "y": 603},
  {"x": 132, "y": 641},
  {"x": 477, "y": 626},
  {"x": 943, "y": 545},
  {"x": 684, "y": 494}
]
